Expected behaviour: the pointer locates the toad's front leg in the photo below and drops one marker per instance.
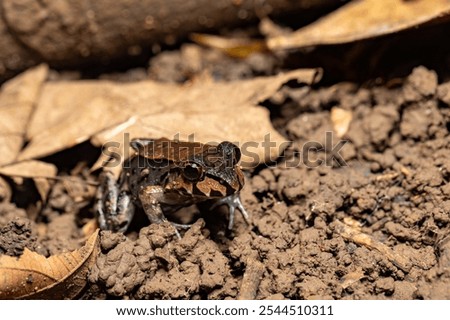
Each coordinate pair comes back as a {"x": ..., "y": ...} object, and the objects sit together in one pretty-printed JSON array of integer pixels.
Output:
[
  {"x": 233, "y": 202},
  {"x": 150, "y": 198},
  {"x": 114, "y": 207}
]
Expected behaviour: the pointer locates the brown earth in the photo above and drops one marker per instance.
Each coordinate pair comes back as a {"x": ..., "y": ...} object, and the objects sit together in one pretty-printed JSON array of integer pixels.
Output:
[{"x": 374, "y": 226}]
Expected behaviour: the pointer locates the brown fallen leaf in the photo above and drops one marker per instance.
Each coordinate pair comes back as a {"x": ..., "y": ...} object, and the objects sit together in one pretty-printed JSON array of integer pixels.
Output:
[
  {"x": 17, "y": 99},
  {"x": 29, "y": 169},
  {"x": 5, "y": 191},
  {"x": 341, "y": 119},
  {"x": 233, "y": 47},
  {"x": 34, "y": 276},
  {"x": 43, "y": 187},
  {"x": 74, "y": 111},
  {"x": 90, "y": 227},
  {"x": 39, "y": 171},
  {"x": 270, "y": 29},
  {"x": 362, "y": 20}
]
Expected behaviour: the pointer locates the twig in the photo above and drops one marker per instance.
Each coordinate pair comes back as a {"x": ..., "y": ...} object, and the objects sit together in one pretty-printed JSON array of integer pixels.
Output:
[
  {"x": 366, "y": 240},
  {"x": 251, "y": 280}
]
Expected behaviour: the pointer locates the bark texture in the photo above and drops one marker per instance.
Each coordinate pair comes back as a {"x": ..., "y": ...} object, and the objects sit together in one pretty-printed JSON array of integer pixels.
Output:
[{"x": 71, "y": 33}]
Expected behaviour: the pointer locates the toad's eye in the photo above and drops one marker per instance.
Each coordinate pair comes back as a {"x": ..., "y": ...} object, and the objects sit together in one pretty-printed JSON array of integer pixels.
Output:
[
  {"x": 193, "y": 172},
  {"x": 231, "y": 152}
]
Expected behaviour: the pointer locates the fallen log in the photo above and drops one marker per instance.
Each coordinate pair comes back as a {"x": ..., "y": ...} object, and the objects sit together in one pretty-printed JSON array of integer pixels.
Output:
[{"x": 75, "y": 33}]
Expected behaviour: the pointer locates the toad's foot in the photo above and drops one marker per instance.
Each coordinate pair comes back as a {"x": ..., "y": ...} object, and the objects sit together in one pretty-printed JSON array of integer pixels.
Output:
[{"x": 233, "y": 202}]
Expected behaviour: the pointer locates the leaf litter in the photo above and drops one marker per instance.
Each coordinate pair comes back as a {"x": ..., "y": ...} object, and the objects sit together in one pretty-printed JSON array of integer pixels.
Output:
[
  {"x": 33, "y": 276},
  {"x": 70, "y": 112},
  {"x": 364, "y": 19},
  {"x": 18, "y": 97},
  {"x": 291, "y": 251}
]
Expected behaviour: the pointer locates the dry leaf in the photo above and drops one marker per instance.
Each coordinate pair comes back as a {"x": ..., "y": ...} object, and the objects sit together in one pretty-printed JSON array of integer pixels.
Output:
[
  {"x": 17, "y": 99},
  {"x": 34, "y": 276},
  {"x": 90, "y": 227},
  {"x": 43, "y": 187},
  {"x": 363, "y": 19},
  {"x": 37, "y": 170},
  {"x": 29, "y": 169},
  {"x": 341, "y": 119},
  {"x": 234, "y": 47},
  {"x": 5, "y": 191},
  {"x": 270, "y": 29},
  {"x": 71, "y": 112}
]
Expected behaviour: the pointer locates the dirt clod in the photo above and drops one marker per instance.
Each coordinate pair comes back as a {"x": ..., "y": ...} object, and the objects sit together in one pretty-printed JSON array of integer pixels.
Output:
[
  {"x": 420, "y": 84},
  {"x": 366, "y": 221},
  {"x": 17, "y": 235}
]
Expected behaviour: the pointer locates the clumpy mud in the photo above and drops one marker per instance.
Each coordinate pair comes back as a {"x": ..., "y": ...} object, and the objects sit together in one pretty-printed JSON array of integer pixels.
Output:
[
  {"x": 155, "y": 266},
  {"x": 16, "y": 232},
  {"x": 373, "y": 225},
  {"x": 393, "y": 188}
]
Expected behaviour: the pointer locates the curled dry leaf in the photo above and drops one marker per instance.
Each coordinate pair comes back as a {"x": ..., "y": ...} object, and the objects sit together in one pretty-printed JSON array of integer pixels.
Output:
[
  {"x": 270, "y": 29},
  {"x": 234, "y": 47},
  {"x": 74, "y": 111},
  {"x": 34, "y": 276},
  {"x": 17, "y": 99},
  {"x": 39, "y": 171},
  {"x": 90, "y": 227},
  {"x": 362, "y": 20},
  {"x": 5, "y": 191},
  {"x": 29, "y": 169},
  {"x": 341, "y": 119}
]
